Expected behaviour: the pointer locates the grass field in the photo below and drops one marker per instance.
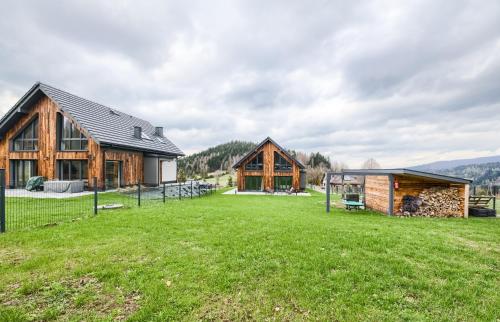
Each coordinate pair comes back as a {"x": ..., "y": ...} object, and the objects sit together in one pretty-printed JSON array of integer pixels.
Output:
[{"x": 227, "y": 257}]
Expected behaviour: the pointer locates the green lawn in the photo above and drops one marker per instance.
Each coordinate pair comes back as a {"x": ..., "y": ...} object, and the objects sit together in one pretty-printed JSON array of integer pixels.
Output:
[{"x": 227, "y": 257}]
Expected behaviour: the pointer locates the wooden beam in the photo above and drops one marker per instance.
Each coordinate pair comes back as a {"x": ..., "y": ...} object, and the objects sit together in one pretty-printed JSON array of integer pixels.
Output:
[
  {"x": 466, "y": 200},
  {"x": 391, "y": 195}
]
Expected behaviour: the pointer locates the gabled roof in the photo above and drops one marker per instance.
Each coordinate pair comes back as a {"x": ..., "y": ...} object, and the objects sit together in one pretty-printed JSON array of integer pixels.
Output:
[
  {"x": 382, "y": 172},
  {"x": 348, "y": 179},
  {"x": 261, "y": 144},
  {"x": 107, "y": 126}
]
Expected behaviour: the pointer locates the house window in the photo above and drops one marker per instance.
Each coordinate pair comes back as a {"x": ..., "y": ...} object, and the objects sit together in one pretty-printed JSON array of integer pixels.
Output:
[
  {"x": 27, "y": 140},
  {"x": 21, "y": 171},
  {"x": 256, "y": 163},
  {"x": 280, "y": 163},
  {"x": 253, "y": 183},
  {"x": 70, "y": 138},
  {"x": 282, "y": 183},
  {"x": 73, "y": 169}
]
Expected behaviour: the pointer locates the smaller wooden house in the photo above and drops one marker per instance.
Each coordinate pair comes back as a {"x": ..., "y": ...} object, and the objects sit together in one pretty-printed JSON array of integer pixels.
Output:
[{"x": 269, "y": 167}]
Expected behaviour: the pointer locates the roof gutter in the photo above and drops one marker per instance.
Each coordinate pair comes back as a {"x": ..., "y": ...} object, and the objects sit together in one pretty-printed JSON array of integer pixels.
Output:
[{"x": 126, "y": 147}]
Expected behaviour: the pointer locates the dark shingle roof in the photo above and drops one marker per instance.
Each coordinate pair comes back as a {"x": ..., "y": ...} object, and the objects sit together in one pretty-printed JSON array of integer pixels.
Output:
[{"x": 106, "y": 125}]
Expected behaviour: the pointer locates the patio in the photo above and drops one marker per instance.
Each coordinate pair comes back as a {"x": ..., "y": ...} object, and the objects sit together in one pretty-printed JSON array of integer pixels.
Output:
[
  {"x": 262, "y": 193},
  {"x": 41, "y": 194}
]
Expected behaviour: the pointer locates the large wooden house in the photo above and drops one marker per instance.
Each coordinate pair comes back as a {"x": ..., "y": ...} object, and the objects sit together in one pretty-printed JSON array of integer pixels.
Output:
[
  {"x": 269, "y": 167},
  {"x": 60, "y": 136}
]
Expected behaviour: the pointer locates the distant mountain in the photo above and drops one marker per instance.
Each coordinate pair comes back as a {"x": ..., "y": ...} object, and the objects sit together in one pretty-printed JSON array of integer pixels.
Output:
[
  {"x": 482, "y": 174},
  {"x": 220, "y": 157},
  {"x": 444, "y": 165}
]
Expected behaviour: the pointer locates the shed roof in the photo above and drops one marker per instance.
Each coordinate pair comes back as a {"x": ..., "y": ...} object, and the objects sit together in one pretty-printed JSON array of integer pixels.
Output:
[
  {"x": 266, "y": 140},
  {"x": 105, "y": 125},
  {"x": 422, "y": 174}
]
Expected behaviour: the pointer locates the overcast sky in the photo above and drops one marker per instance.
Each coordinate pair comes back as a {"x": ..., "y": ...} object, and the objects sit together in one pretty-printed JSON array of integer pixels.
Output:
[{"x": 405, "y": 82}]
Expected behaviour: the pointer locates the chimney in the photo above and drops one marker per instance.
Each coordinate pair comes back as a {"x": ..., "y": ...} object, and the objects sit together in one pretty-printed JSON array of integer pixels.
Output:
[
  {"x": 159, "y": 131},
  {"x": 138, "y": 132}
]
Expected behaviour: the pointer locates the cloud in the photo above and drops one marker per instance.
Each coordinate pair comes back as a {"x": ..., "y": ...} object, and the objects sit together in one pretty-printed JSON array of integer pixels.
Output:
[{"x": 405, "y": 83}]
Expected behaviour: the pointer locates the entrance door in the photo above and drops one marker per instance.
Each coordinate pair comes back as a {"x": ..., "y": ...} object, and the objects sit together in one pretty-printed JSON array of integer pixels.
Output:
[
  {"x": 253, "y": 183},
  {"x": 113, "y": 174},
  {"x": 22, "y": 170}
]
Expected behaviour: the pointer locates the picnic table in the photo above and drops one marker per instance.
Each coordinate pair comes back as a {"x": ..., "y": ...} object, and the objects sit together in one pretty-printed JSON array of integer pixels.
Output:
[{"x": 349, "y": 205}]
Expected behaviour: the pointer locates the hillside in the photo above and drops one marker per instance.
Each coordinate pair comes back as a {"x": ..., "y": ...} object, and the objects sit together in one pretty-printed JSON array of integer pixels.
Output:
[
  {"x": 451, "y": 164},
  {"x": 482, "y": 174},
  {"x": 223, "y": 156},
  {"x": 220, "y": 157}
]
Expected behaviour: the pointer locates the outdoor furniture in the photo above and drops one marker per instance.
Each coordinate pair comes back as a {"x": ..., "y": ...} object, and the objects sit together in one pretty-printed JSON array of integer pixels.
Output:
[
  {"x": 479, "y": 206},
  {"x": 269, "y": 191},
  {"x": 349, "y": 205},
  {"x": 35, "y": 183},
  {"x": 63, "y": 186},
  {"x": 351, "y": 201}
]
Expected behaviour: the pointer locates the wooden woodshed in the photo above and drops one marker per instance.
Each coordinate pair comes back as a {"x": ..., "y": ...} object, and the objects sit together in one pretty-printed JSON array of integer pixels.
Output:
[{"x": 414, "y": 193}]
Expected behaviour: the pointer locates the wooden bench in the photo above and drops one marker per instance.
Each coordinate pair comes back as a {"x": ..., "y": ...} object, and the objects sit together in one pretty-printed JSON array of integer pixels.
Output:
[
  {"x": 480, "y": 201},
  {"x": 479, "y": 206}
]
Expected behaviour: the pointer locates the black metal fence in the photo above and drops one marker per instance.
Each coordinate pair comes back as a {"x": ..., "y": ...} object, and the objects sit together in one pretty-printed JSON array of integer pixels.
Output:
[
  {"x": 138, "y": 195},
  {"x": 54, "y": 203}
]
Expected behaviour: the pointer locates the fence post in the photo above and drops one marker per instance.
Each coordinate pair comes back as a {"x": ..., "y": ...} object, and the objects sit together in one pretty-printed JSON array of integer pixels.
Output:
[
  {"x": 2, "y": 200},
  {"x": 95, "y": 195},
  {"x": 179, "y": 191},
  {"x": 327, "y": 186},
  {"x": 191, "y": 189},
  {"x": 199, "y": 190},
  {"x": 164, "y": 192},
  {"x": 495, "y": 198},
  {"x": 139, "y": 194}
]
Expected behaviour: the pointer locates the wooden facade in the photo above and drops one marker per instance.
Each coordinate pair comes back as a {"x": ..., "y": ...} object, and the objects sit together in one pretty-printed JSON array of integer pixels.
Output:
[
  {"x": 268, "y": 148},
  {"x": 47, "y": 155},
  {"x": 378, "y": 191}
]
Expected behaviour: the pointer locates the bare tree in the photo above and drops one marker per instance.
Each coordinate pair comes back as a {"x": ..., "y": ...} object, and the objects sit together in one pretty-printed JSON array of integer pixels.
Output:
[
  {"x": 315, "y": 175},
  {"x": 302, "y": 157},
  {"x": 371, "y": 163},
  {"x": 338, "y": 166}
]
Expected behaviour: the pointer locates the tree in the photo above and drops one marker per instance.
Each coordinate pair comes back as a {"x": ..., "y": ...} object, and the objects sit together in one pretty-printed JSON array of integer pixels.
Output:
[
  {"x": 181, "y": 176},
  {"x": 338, "y": 166},
  {"x": 230, "y": 181},
  {"x": 302, "y": 157},
  {"x": 319, "y": 160},
  {"x": 315, "y": 175},
  {"x": 371, "y": 163}
]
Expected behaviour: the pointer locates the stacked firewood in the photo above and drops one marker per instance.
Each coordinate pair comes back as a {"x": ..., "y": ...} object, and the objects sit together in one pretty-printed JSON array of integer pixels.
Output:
[{"x": 434, "y": 202}]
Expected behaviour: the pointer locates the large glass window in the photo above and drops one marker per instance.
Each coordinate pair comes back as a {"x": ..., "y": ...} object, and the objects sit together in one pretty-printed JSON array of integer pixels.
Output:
[
  {"x": 22, "y": 170},
  {"x": 73, "y": 170},
  {"x": 282, "y": 183},
  {"x": 69, "y": 137},
  {"x": 27, "y": 140},
  {"x": 256, "y": 163},
  {"x": 280, "y": 163},
  {"x": 253, "y": 183}
]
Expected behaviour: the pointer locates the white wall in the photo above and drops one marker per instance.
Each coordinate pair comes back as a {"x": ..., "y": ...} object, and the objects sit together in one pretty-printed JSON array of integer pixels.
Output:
[{"x": 168, "y": 170}]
